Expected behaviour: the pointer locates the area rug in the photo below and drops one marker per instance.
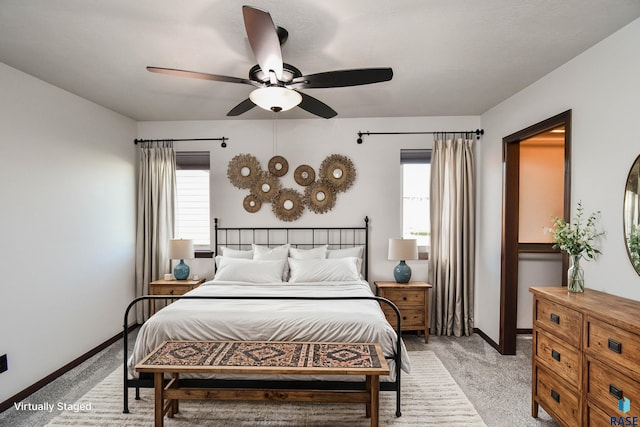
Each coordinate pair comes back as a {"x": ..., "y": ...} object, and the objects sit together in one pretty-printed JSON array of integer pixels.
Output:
[{"x": 430, "y": 397}]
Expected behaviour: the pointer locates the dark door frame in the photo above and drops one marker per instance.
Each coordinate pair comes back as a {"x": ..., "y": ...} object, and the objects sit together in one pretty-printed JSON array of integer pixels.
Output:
[{"x": 510, "y": 221}]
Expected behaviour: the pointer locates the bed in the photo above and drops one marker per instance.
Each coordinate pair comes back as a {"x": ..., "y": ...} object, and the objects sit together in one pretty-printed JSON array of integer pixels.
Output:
[{"x": 278, "y": 284}]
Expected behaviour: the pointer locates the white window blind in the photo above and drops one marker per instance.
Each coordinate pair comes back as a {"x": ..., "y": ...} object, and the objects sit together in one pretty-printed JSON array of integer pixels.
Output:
[{"x": 192, "y": 198}]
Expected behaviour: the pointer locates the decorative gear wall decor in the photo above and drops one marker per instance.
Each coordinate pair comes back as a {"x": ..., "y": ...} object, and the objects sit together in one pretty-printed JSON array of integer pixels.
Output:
[
  {"x": 320, "y": 197},
  {"x": 288, "y": 204},
  {"x": 336, "y": 174},
  {"x": 338, "y": 171},
  {"x": 278, "y": 166},
  {"x": 304, "y": 175},
  {"x": 251, "y": 203},
  {"x": 266, "y": 186},
  {"x": 242, "y": 170}
]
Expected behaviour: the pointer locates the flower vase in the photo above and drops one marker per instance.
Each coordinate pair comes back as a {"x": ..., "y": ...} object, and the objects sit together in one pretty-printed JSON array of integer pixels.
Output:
[{"x": 575, "y": 274}]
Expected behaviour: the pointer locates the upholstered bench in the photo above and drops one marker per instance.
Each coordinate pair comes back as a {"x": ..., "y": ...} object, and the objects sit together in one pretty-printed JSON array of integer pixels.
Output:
[{"x": 270, "y": 358}]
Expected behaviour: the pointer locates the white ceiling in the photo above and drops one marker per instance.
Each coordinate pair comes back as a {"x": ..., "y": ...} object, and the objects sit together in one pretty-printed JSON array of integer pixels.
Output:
[{"x": 449, "y": 57}]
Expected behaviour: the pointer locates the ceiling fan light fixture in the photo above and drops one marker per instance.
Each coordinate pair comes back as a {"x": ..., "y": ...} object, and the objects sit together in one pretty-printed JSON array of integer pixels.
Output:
[{"x": 275, "y": 98}]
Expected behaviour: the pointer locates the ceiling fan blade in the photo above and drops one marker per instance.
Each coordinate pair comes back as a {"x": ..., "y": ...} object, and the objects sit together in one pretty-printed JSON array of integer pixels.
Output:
[
  {"x": 342, "y": 78},
  {"x": 203, "y": 76},
  {"x": 241, "y": 108},
  {"x": 317, "y": 107},
  {"x": 263, "y": 38}
]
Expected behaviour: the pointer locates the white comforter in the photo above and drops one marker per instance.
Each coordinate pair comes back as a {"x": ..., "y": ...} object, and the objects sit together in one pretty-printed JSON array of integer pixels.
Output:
[{"x": 275, "y": 320}]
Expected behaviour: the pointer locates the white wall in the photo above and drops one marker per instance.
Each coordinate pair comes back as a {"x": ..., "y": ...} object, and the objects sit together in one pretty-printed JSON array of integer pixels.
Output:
[
  {"x": 602, "y": 88},
  {"x": 376, "y": 192},
  {"x": 67, "y": 174}
]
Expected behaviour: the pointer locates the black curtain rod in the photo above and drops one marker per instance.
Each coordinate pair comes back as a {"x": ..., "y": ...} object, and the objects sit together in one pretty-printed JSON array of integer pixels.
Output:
[
  {"x": 224, "y": 140},
  {"x": 478, "y": 132}
]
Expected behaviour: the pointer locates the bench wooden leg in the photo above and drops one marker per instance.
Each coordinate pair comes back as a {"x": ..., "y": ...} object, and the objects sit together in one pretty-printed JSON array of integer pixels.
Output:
[
  {"x": 375, "y": 400},
  {"x": 158, "y": 383}
]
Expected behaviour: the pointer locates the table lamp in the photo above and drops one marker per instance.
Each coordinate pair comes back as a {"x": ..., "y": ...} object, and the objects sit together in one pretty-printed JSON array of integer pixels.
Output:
[
  {"x": 402, "y": 250},
  {"x": 181, "y": 249}
]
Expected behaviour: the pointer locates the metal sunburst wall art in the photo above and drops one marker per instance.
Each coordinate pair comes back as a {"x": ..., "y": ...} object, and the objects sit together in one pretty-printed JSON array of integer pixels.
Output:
[{"x": 335, "y": 175}]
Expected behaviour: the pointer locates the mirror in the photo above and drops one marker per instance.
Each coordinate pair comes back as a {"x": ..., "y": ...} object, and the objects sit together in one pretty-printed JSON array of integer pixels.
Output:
[
  {"x": 320, "y": 196},
  {"x": 337, "y": 173},
  {"x": 288, "y": 205},
  {"x": 632, "y": 214},
  {"x": 265, "y": 188},
  {"x": 245, "y": 171}
]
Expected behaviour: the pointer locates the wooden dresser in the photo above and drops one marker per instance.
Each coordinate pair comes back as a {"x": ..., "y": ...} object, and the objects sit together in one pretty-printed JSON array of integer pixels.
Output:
[{"x": 585, "y": 357}]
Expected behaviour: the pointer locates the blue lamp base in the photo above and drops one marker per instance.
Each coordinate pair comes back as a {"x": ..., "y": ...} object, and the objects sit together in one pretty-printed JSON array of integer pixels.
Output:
[
  {"x": 181, "y": 271},
  {"x": 402, "y": 272}
]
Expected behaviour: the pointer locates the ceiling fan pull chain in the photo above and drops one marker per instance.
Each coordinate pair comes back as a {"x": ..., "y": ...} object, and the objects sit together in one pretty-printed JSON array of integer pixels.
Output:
[{"x": 275, "y": 132}]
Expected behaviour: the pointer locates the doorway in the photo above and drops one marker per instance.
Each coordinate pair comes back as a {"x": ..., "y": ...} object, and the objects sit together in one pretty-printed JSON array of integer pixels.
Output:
[{"x": 531, "y": 196}]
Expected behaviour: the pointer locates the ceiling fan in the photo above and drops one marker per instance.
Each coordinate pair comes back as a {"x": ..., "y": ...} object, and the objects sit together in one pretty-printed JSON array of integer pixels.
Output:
[{"x": 277, "y": 83}]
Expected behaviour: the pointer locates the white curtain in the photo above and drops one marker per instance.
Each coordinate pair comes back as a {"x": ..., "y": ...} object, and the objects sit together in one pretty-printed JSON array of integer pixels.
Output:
[
  {"x": 452, "y": 255},
  {"x": 155, "y": 225}
]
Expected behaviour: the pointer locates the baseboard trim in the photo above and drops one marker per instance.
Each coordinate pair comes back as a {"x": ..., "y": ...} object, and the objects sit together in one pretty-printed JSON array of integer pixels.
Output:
[
  {"x": 66, "y": 368},
  {"x": 486, "y": 337},
  {"x": 524, "y": 331}
]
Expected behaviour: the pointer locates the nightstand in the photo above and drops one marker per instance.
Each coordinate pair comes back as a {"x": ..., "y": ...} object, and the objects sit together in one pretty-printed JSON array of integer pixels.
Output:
[
  {"x": 412, "y": 299},
  {"x": 171, "y": 287}
]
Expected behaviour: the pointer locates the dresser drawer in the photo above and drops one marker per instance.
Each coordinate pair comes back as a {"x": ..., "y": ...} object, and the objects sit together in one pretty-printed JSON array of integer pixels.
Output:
[
  {"x": 606, "y": 342},
  {"x": 411, "y": 317},
  {"x": 564, "y": 322},
  {"x": 596, "y": 417},
  {"x": 563, "y": 360},
  {"x": 405, "y": 296},
  {"x": 557, "y": 398},
  {"x": 607, "y": 386}
]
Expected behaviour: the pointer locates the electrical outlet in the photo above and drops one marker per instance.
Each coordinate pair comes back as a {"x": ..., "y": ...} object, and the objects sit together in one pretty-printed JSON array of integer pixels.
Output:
[{"x": 3, "y": 363}]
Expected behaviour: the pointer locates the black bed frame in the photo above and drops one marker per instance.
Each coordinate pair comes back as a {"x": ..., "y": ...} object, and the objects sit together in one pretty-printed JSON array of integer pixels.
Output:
[{"x": 301, "y": 237}]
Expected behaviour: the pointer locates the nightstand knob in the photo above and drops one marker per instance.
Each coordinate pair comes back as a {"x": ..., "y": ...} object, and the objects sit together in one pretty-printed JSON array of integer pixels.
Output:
[
  {"x": 404, "y": 298},
  {"x": 171, "y": 292}
]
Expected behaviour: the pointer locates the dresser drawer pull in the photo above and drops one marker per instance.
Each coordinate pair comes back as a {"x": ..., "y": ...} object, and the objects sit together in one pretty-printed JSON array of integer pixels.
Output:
[
  {"x": 171, "y": 292},
  {"x": 555, "y": 396},
  {"x": 555, "y": 318},
  {"x": 555, "y": 355},
  {"x": 614, "y": 346},
  {"x": 615, "y": 391}
]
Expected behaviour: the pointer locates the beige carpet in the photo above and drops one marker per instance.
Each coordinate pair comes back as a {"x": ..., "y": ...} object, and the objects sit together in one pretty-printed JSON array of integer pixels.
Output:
[{"x": 430, "y": 397}]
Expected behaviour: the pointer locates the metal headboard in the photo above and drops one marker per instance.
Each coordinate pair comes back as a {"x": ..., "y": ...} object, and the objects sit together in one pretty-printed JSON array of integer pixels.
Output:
[{"x": 299, "y": 237}]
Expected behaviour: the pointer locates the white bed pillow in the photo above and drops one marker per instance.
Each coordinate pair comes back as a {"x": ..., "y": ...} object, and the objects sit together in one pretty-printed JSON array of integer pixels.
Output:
[
  {"x": 323, "y": 270},
  {"x": 356, "y": 251},
  {"x": 249, "y": 270},
  {"x": 236, "y": 253},
  {"x": 319, "y": 252},
  {"x": 278, "y": 253}
]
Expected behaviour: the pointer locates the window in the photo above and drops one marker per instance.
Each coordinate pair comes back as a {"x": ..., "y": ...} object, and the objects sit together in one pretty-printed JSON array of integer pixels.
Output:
[
  {"x": 192, "y": 198},
  {"x": 416, "y": 177}
]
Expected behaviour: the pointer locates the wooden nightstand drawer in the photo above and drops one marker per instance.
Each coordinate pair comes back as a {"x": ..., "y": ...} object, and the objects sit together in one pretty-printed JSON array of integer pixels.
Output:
[
  {"x": 402, "y": 297},
  {"x": 170, "y": 290},
  {"x": 564, "y": 360},
  {"x": 557, "y": 397},
  {"x": 610, "y": 343},
  {"x": 606, "y": 386},
  {"x": 411, "y": 317},
  {"x": 562, "y": 321}
]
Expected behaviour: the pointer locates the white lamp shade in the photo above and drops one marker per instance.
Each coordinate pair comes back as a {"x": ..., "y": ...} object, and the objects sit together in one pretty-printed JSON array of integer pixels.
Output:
[
  {"x": 403, "y": 249},
  {"x": 180, "y": 249},
  {"x": 275, "y": 98}
]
